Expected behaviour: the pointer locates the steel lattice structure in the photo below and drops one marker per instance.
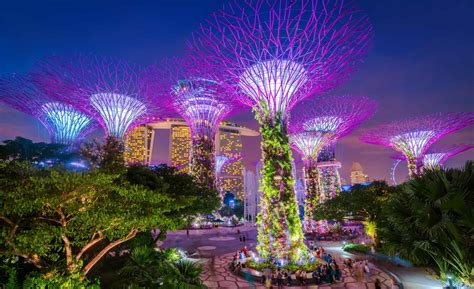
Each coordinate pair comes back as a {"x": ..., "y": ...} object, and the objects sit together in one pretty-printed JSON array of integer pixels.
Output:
[
  {"x": 65, "y": 124},
  {"x": 435, "y": 158},
  {"x": 338, "y": 115},
  {"x": 276, "y": 53},
  {"x": 413, "y": 137},
  {"x": 202, "y": 102},
  {"x": 114, "y": 92}
]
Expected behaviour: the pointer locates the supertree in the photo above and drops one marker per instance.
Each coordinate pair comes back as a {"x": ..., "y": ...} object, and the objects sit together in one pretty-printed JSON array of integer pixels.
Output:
[
  {"x": 203, "y": 102},
  {"x": 65, "y": 124},
  {"x": 277, "y": 53},
  {"x": 435, "y": 158},
  {"x": 413, "y": 137},
  {"x": 308, "y": 144},
  {"x": 221, "y": 161},
  {"x": 338, "y": 115},
  {"x": 113, "y": 92}
]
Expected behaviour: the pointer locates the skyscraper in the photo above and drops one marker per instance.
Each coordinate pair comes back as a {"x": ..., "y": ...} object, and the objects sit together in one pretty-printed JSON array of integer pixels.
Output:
[
  {"x": 357, "y": 174},
  {"x": 228, "y": 142},
  {"x": 138, "y": 145}
]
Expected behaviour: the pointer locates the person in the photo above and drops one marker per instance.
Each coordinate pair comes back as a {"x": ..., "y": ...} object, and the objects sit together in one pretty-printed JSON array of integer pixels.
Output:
[
  {"x": 378, "y": 284},
  {"x": 349, "y": 266},
  {"x": 303, "y": 277},
  {"x": 267, "y": 281},
  {"x": 243, "y": 239},
  {"x": 238, "y": 232},
  {"x": 288, "y": 278},
  {"x": 240, "y": 239},
  {"x": 366, "y": 270},
  {"x": 187, "y": 232},
  {"x": 316, "y": 277},
  {"x": 279, "y": 279},
  {"x": 338, "y": 272}
]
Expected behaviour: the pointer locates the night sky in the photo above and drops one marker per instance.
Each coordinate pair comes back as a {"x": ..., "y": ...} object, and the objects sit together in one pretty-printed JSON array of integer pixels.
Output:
[{"x": 421, "y": 62}]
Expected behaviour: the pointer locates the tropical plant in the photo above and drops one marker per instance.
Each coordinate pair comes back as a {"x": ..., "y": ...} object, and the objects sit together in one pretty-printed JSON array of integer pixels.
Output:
[
  {"x": 430, "y": 221},
  {"x": 146, "y": 267}
]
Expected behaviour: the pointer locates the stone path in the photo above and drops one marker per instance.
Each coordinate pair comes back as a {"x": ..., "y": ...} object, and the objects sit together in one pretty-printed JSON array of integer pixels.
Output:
[{"x": 217, "y": 275}]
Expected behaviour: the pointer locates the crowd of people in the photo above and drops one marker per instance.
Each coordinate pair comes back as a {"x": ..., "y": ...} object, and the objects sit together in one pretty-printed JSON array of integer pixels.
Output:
[{"x": 327, "y": 272}]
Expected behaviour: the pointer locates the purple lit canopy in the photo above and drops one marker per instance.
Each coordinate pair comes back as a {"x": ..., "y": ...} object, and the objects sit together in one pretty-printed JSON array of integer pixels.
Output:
[
  {"x": 65, "y": 124},
  {"x": 112, "y": 91},
  {"x": 279, "y": 52},
  {"x": 413, "y": 137}
]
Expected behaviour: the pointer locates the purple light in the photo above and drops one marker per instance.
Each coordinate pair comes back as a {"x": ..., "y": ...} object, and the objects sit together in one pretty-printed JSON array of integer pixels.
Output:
[
  {"x": 65, "y": 124},
  {"x": 309, "y": 143},
  {"x": 278, "y": 53},
  {"x": 414, "y": 136},
  {"x": 115, "y": 93}
]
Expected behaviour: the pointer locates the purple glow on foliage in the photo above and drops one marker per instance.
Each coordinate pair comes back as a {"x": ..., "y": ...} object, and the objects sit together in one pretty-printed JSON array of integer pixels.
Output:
[
  {"x": 65, "y": 124},
  {"x": 280, "y": 52}
]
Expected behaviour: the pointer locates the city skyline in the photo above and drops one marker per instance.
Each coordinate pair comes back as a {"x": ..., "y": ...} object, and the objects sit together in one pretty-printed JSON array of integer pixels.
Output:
[{"x": 409, "y": 79}]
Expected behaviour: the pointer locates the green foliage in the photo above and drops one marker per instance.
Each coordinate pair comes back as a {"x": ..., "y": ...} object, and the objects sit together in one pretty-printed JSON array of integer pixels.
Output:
[
  {"x": 360, "y": 203},
  {"x": 59, "y": 220},
  {"x": 182, "y": 188},
  {"x": 259, "y": 266},
  {"x": 54, "y": 280},
  {"x": 280, "y": 234},
  {"x": 430, "y": 221},
  {"x": 108, "y": 156},
  {"x": 22, "y": 149},
  {"x": 202, "y": 161},
  {"x": 359, "y": 248},
  {"x": 148, "y": 268}
]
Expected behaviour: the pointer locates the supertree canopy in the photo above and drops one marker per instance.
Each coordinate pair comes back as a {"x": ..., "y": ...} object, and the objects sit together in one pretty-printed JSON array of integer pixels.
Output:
[
  {"x": 203, "y": 102},
  {"x": 113, "y": 92},
  {"x": 339, "y": 116},
  {"x": 413, "y": 137},
  {"x": 276, "y": 53},
  {"x": 308, "y": 144},
  {"x": 435, "y": 158},
  {"x": 65, "y": 124}
]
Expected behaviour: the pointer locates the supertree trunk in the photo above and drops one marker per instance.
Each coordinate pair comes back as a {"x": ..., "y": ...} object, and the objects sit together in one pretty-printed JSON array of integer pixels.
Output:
[
  {"x": 280, "y": 234},
  {"x": 330, "y": 181},
  {"x": 202, "y": 160},
  {"x": 414, "y": 167},
  {"x": 313, "y": 193}
]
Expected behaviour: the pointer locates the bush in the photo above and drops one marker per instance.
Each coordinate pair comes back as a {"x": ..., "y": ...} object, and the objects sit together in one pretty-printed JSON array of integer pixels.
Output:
[
  {"x": 54, "y": 280},
  {"x": 358, "y": 248}
]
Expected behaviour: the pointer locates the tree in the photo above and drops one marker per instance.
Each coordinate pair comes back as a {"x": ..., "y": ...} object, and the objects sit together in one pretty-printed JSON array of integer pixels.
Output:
[
  {"x": 66, "y": 222},
  {"x": 108, "y": 156},
  {"x": 430, "y": 221},
  {"x": 23, "y": 149},
  {"x": 363, "y": 203}
]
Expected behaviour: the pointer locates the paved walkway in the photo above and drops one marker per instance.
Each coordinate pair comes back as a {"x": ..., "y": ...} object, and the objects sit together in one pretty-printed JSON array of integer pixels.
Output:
[{"x": 217, "y": 247}]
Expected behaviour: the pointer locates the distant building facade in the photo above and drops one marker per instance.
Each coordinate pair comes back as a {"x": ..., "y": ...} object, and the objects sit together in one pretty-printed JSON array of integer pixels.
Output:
[
  {"x": 138, "y": 145},
  {"x": 357, "y": 174},
  {"x": 139, "y": 149}
]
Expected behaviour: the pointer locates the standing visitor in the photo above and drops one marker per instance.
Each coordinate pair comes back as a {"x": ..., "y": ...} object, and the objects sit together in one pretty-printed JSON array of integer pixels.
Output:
[
  {"x": 378, "y": 285},
  {"x": 279, "y": 279}
]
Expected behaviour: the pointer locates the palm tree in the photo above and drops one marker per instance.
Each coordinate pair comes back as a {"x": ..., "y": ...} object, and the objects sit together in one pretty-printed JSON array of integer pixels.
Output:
[{"x": 430, "y": 220}]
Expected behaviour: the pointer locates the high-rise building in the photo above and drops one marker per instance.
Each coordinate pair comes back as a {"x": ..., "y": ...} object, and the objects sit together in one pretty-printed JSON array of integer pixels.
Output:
[
  {"x": 180, "y": 142},
  {"x": 228, "y": 142},
  {"x": 357, "y": 174},
  {"x": 138, "y": 145}
]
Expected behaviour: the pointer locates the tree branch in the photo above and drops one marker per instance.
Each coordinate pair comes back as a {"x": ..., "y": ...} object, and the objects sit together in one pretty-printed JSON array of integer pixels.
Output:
[
  {"x": 8, "y": 221},
  {"x": 104, "y": 251},
  {"x": 88, "y": 246}
]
